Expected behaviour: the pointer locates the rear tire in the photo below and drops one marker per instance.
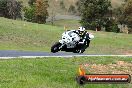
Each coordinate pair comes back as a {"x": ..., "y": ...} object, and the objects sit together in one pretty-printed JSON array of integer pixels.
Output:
[{"x": 55, "y": 47}]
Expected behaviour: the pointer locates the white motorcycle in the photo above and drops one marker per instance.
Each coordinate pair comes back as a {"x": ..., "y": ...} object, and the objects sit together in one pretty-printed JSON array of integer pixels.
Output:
[{"x": 70, "y": 43}]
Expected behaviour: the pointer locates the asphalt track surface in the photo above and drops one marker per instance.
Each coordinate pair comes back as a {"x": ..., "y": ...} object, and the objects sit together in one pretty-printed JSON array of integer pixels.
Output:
[
  {"x": 13, "y": 53},
  {"x": 9, "y": 54}
]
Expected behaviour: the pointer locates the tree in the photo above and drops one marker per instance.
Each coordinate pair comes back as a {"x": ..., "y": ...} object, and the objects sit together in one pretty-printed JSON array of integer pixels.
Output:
[
  {"x": 29, "y": 13},
  {"x": 111, "y": 26},
  {"x": 62, "y": 5},
  {"x": 10, "y": 8},
  {"x": 127, "y": 13},
  {"x": 31, "y": 2},
  {"x": 78, "y": 5},
  {"x": 53, "y": 11},
  {"x": 41, "y": 12},
  {"x": 3, "y": 9},
  {"x": 37, "y": 12},
  {"x": 93, "y": 12},
  {"x": 72, "y": 9},
  {"x": 14, "y": 9}
]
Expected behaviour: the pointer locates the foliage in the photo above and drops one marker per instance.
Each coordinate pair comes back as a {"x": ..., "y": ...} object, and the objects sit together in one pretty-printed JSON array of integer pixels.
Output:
[
  {"x": 124, "y": 14},
  {"x": 72, "y": 9},
  {"x": 37, "y": 12},
  {"x": 29, "y": 14},
  {"x": 3, "y": 9},
  {"x": 10, "y": 9},
  {"x": 127, "y": 13},
  {"x": 78, "y": 5},
  {"x": 14, "y": 9},
  {"x": 62, "y": 5},
  {"x": 31, "y": 2},
  {"x": 111, "y": 26},
  {"x": 41, "y": 12},
  {"x": 93, "y": 12}
]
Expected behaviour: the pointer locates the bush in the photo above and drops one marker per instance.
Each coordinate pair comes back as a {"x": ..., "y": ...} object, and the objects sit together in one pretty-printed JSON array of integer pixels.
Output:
[
  {"x": 111, "y": 26},
  {"x": 3, "y": 10},
  {"x": 125, "y": 15},
  {"x": 14, "y": 9},
  {"x": 37, "y": 12},
  {"x": 72, "y": 9},
  {"x": 62, "y": 5},
  {"x": 10, "y": 9},
  {"x": 31, "y": 2},
  {"x": 29, "y": 14}
]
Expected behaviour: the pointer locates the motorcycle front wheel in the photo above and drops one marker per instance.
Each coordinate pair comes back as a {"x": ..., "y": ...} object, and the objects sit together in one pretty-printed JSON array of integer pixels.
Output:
[{"x": 55, "y": 47}]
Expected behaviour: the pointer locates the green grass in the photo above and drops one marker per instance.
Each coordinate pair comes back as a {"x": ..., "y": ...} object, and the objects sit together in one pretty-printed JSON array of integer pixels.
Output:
[
  {"x": 115, "y": 43},
  {"x": 111, "y": 43},
  {"x": 20, "y": 35},
  {"x": 51, "y": 72}
]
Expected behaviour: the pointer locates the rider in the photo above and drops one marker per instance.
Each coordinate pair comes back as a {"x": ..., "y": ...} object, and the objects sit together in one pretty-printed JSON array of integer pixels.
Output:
[
  {"x": 83, "y": 37},
  {"x": 81, "y": 31}
]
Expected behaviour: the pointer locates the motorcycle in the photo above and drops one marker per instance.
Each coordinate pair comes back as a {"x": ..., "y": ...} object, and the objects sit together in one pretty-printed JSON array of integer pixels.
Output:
[{"x": 70, "y": 43}]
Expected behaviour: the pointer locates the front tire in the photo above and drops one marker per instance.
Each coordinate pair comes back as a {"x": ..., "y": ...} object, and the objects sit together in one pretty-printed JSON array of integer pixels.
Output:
[{"x": 55, "y": 47}]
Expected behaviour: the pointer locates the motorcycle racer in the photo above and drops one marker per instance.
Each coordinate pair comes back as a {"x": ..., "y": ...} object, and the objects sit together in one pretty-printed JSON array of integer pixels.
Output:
[
  {"x": 84, "y": 36},
  {"x": 75, "y": 41}
]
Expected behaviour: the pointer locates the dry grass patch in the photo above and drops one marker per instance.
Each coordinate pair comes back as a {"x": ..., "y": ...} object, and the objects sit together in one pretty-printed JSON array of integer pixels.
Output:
[{"x": 120, "y": 67}]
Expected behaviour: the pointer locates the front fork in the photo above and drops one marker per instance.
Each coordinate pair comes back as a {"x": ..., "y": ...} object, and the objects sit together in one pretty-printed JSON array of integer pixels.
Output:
[
  {"x": 84, "y": 46},
  {"x": 62, "y": 44}
]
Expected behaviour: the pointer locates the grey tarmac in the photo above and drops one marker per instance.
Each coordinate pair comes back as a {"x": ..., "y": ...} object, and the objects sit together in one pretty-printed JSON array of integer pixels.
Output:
[{"x": 9, "y": 54}]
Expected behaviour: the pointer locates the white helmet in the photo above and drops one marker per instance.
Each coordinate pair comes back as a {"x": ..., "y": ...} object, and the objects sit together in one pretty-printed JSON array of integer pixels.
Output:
[{"x": 81, "y": 29}]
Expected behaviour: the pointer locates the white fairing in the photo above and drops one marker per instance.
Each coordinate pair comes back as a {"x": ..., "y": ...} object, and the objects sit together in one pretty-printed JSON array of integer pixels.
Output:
[
  {"x": 70, "y": 39},
  {"x": 91, "y": 36}
]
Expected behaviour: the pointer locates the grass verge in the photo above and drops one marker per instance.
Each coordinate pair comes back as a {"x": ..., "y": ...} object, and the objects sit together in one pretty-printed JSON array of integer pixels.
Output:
[
  {"x": 20, "y": 35},
  {"x": 53, "y": 72}
]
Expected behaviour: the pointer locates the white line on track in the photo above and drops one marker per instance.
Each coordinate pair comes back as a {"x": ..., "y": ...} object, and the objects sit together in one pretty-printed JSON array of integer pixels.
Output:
[{"x": 67, "y": 56}]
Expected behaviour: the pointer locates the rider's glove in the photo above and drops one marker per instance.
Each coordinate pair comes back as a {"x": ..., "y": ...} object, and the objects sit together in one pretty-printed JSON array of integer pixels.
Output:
[{"x": 82, "y": 42}]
